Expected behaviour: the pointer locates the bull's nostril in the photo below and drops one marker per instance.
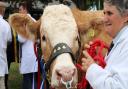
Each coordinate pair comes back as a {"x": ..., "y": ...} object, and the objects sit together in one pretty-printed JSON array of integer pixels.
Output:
[
  {"x": 58, "y": 74},
  {"x": 74, "y": 72}
]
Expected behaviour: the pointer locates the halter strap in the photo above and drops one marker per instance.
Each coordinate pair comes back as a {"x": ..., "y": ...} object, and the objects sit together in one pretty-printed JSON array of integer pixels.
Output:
[{"x": 58, "y": 50}]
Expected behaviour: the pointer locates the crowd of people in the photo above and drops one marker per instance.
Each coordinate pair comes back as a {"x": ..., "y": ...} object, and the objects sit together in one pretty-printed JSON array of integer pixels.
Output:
[
  {"x": 28, "y": 64},
  {"x": 113, "y": 76}
]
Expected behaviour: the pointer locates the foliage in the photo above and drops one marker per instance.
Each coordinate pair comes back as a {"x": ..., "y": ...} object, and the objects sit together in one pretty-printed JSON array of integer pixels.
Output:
[{"x": 15, "y": 78}]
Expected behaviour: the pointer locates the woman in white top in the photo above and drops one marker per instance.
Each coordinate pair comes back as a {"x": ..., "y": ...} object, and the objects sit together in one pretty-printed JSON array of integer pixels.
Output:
[
  {"x": 115, "y": 73},
  {"x": 28, "y": 65}
]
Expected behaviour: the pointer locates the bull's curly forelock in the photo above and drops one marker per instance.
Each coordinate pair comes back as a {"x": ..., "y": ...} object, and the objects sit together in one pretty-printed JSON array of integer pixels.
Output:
[{"x": 121, "y": 5}]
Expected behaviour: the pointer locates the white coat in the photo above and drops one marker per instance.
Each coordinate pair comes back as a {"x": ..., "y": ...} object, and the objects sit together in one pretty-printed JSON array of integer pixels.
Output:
[
  {"x": 115, "y": 74},
  {"x": 5, "y": 37}
]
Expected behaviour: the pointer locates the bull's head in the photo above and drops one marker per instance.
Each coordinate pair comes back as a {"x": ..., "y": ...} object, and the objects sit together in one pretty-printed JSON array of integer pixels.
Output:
[{"x": 58, "y": 30}]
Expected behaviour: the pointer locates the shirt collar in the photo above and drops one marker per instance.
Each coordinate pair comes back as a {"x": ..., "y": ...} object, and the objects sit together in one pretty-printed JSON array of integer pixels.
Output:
[{"x": 119, "y": 35}]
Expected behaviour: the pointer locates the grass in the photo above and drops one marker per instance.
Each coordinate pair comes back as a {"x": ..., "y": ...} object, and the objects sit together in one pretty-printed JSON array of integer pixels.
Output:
[{"x": 15, "y": 78}]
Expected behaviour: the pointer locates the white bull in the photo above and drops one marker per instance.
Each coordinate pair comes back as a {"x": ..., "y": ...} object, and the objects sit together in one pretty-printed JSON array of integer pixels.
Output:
[{"x": 57, "y": 25}]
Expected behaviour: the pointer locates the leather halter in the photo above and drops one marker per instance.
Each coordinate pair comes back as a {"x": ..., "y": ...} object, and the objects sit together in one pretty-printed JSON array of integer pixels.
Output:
[{"x": 58, "y": 50}]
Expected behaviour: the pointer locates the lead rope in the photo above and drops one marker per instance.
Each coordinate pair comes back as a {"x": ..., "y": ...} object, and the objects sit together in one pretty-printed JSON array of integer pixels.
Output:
[
  {"x": 41, "y": 84},
  {"x": 38, "y": 73},
  {"x": 96, "y": 54}
]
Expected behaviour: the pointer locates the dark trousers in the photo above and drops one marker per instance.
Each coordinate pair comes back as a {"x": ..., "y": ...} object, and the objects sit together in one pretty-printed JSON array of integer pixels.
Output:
[
  {"x": 28, "y": 81},
  {"x": 6, "y": 75},
  {"x": 6, "y": 81}
]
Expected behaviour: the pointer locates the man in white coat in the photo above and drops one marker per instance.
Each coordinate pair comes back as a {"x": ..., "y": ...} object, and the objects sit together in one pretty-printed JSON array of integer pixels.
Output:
[
  {"x": 28, "y": 65},
  {"x": 5, "y": 38}
]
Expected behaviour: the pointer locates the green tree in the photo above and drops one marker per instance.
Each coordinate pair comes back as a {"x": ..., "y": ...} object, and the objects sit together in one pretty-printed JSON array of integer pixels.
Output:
[{"x": 85, "y": 4}]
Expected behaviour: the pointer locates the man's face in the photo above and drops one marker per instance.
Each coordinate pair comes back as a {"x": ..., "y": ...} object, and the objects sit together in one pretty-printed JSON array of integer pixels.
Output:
[
  {"x": 2, "y": 10},
  {"x": 113, "y": 20}
]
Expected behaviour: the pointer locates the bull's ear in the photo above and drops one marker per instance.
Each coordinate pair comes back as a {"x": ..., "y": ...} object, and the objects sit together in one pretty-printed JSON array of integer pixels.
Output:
[
  {"x": 80, "y": 20},
  {"x": 85, "y": 19},
  {"x": 34, "y": 28},
  {"x": 24, "y": 25}
]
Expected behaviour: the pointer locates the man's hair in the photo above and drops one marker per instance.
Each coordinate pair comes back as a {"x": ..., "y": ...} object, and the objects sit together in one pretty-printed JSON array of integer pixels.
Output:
[
  {"x": 121, "y": 5},
  {"x": 2, "y": 8},
  {"x": 24, "y": 5}
]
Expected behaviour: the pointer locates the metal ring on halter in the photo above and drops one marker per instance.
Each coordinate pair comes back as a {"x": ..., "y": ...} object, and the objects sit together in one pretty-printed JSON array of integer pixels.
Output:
[{"x": 68, "y": 83}]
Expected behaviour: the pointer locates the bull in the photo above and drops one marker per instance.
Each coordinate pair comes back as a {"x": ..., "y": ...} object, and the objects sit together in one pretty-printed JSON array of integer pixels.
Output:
[{"x": 60, "y": 30}]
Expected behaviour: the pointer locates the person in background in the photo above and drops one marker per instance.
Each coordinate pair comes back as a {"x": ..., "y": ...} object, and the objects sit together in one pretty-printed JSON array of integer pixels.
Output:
[
  {"x": 115, "y": 73},
  {"x": 28, "y": 65},
  {"x": 5, "y": 39}
]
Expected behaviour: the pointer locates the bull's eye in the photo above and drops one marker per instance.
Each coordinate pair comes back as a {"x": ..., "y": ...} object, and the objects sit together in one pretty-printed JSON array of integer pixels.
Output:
[{"x": 43, "y": 38}]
